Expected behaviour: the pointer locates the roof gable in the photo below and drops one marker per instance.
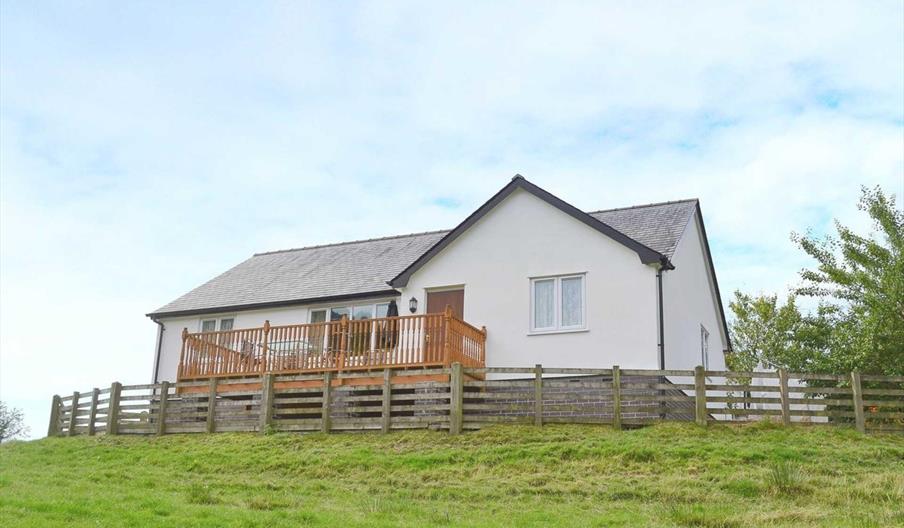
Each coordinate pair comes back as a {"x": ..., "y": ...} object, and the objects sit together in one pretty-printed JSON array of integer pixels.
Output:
[{"x": 646, "y": 254}]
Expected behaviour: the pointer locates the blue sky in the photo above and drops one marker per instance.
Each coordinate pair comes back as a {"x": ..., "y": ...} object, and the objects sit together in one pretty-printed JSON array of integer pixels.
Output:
[{"x": 147, "y": 146}]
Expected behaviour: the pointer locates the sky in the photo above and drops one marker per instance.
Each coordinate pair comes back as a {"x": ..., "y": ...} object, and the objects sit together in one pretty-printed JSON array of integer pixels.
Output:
[{"x": 147, "y": 146}]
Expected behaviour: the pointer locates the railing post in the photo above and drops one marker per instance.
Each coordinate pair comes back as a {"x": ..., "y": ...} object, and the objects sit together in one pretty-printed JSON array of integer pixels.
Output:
[
  {"x": 447, "y": 340},
  {"x": 212, "y": 405},
  {"x": 53, "y": 428},
  {"x": 387, "y": 401},
  {"x": 113, "y": 408},
  {"x": 857, "y": 393},
  {"x": 538, "y": 395},
  {"x": 343, "y": 341},
  {"x": 783, "y": 388},
  {"x": 182, "y": 371},
  {"x": 266, "y": 410},
  {"x": 456, "y": 387},
  {"x": 483, "y": 346},
  {"x": 72, "y": 413},
  {"x": 161, "y": 409},
  {"x": 700, "y": 396},
  {"x": 616, "y": 397},
  {"x": 92, "y": 413},
  {"x": 265, "y": 352},
  {"x": 327, "y": 392}
]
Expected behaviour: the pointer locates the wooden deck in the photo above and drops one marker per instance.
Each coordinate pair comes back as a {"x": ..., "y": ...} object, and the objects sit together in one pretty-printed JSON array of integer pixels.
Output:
[{"x": 405, "y": 342}]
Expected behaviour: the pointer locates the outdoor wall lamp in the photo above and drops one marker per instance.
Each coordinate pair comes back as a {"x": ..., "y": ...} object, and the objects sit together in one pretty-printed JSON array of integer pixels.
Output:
[{"x": 412, "y": 305}]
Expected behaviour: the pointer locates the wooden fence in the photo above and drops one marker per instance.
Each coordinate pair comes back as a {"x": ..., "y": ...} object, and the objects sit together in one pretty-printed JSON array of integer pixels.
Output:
[{"x": 470, "y": 398}]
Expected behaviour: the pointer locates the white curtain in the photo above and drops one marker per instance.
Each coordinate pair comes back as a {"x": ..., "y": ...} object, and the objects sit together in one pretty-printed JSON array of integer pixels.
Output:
[
  {"x": 573, "y": 301},
  {"x": 544, "y": 303}
]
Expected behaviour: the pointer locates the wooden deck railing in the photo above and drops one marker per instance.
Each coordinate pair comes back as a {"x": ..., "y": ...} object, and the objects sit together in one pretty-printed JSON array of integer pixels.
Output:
[{"x": 413, "y": 341}]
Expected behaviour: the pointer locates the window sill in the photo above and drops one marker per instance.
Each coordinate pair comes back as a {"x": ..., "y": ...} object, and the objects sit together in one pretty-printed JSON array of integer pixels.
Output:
[{"x": 553, "y": 332}]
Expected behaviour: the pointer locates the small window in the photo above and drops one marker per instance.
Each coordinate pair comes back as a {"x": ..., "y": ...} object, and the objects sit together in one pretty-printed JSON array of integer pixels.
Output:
[
  {"x": 337, "y": 313},
  {"x": 382, "y": 310},
  {"x": 363, "y": 312},
  {"x": 558, "y": 303},
  {"x": 226, "y": 324},
  {"x": 209, "y": 325},
  {"x": 318, "y": 316},
  {"x": 704, "y": 347}
]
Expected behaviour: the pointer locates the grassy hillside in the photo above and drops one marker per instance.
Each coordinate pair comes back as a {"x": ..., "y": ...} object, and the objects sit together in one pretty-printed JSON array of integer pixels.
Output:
[{"x": 668, "y": 475}]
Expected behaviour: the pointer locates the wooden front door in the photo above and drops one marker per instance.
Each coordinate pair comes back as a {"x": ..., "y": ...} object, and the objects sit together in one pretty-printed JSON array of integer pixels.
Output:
[{"x": 437, "y": 301}]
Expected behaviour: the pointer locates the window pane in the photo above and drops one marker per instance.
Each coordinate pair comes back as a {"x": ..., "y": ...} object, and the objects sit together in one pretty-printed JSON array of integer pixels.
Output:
[
  {"x": 544, "y": 303},
  {"x": 573, "y": 301},
  {"x": 337, "y": 313},
  {"x": 209, "y": 325},
  {"x": 226, "y": 324},
  {"x": 382, "y": 309},
  {"x": 318, "y": 316},
  {"x": 363, "y": 312}
]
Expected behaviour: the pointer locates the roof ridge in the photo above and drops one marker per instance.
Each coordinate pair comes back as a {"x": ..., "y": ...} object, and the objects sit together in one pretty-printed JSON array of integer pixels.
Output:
[
  {"x": 349, "y": 242},
  {"x": 654, "y": 204}
]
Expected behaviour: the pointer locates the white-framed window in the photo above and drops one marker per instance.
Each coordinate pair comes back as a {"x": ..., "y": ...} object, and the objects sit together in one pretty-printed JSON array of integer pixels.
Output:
[
  {"x": 355, "y": 312},
  {"x": 558, "y": 303},
  {"x": 217, "y": 324},
  {"x": 704, "y": 347}
]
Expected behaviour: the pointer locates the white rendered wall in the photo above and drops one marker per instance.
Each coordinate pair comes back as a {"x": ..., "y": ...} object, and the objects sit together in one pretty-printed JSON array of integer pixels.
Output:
[
  {"x": 689, "y": 301},
  {"x": 525, "y": 237}
]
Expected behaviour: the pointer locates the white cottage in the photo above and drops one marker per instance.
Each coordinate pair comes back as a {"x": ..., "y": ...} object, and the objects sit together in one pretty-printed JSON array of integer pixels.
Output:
[{"x": 525, "y": 279}]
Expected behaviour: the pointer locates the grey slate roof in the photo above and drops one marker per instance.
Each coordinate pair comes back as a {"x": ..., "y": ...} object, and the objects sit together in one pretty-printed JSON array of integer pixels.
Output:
[
  {"x": 362, "y": 267},
  {"x": 658, "y": 226}
]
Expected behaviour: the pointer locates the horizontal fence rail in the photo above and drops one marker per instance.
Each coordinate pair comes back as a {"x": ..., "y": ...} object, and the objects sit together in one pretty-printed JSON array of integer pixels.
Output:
[
  {"x": 412, "y": 341},
  {"x": 459, "y": 397}
]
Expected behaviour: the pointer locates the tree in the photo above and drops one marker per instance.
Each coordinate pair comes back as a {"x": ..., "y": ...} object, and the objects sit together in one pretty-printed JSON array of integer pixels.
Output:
[
  {"x": 11, "y": 423},
  {"x": 860, "y": 283}
]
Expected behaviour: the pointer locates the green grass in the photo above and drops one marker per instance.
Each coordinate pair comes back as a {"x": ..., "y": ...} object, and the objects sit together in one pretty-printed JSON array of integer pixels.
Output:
[{"x": 667, "y": 475}]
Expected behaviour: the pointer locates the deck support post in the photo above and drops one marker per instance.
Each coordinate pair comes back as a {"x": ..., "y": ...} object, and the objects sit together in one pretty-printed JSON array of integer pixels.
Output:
[
  {"x": 783, "y": 394},
  {"x": 447, "y": 340},
  {"x": 212, "y": 405},
  {"x": 327, "y": 393},
  {"x": 92, "y": 412},
  {"x": 857, "y": 393},
  {"x": 456, "y": 387},
  {"x": 161, "y": 410},
  {"x": 616, "y": 397},
  {"x": 386, "y": 424},
  {"x": 538, "y": 395},
  {"x": 266, "y": 409},
  {"x": 72, "y": 414},
  {"x": 264, "y": 352},
  {"x": 113, "y": 408},
  {"x": 700, "y": 395},
  {"x": 53, "y": 428}
]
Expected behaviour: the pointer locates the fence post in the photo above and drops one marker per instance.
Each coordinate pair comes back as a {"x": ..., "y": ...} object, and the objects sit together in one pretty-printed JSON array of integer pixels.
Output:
[
  {"x": 387, "y": 401},
  {"x": 92, "y": 413},
  {"x": 212, "y": 405},
  {"x": 161, "y": 410},
  {"x": 455, "y": 399},
  {"x": 264, "y": 353},
  {"x": 113, "y": 408},
  {"x": 857, "y": 392},
  {"x": 783, "y": 387},
  {"x": 700, "y": 394},
  {"x": 72, "y": 413},
  {"x": 538, "y": 395},
  {"x": 266, "y": 410},
  {"x": 616, "y": 397},
  {"x": 327, "y": 391},
  {"x": 53, "y": 428}
]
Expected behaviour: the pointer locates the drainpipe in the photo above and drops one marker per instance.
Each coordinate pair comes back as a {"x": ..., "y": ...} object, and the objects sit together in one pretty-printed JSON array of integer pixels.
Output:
[
  {"x": 664, "y": 265},
  {"x": 160, "y": 329}
]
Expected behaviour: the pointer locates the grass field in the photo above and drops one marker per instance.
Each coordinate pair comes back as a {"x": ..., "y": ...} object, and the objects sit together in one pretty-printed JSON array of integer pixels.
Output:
[{"x": 666, "y": 475}]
